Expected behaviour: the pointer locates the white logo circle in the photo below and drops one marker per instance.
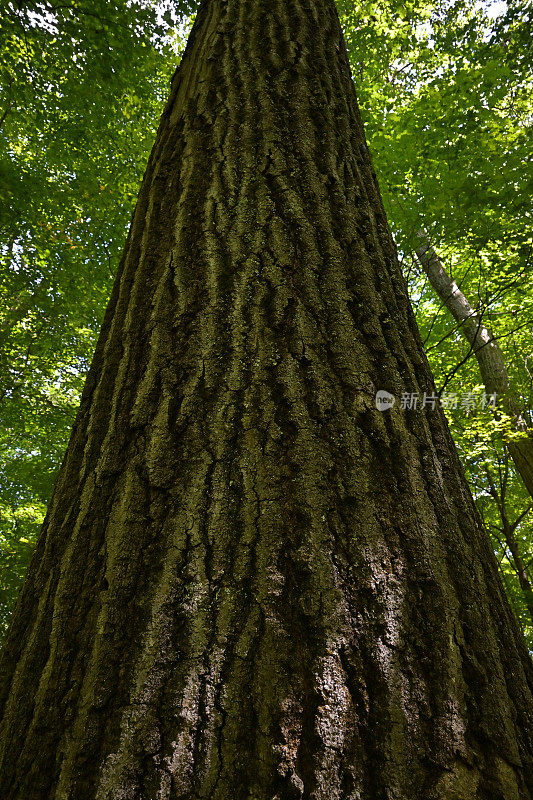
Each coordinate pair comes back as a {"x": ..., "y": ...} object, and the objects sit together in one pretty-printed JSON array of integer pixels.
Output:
[{"x": 384, "y": 400}]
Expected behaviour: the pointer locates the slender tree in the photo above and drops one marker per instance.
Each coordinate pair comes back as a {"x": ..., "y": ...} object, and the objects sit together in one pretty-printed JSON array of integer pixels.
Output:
[
  {"x": 252, "y": 583},
  {"x": 488, "y": 354},
  {"x": 493, "y": 371}
]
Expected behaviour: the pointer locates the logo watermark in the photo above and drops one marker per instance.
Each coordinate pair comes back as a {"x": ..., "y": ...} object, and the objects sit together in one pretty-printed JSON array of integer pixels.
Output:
[
  {"x": 415, "y": 401},
  {"x": 384, "y": 400}
]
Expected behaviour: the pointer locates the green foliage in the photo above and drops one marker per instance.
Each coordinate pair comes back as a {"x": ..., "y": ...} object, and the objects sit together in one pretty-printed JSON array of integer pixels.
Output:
[{"x": 82, "y": 87}]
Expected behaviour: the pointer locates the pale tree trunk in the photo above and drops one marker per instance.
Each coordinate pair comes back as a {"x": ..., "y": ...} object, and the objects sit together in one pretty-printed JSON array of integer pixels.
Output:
[
  {"x": 486, "y": 350},
  {"x": 495, "y": 377},
  {"x": 252, "y": 584}
]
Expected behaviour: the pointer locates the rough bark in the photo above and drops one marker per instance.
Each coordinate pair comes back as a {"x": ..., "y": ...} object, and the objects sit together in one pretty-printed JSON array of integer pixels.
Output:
[
  {"x": 252, "y": 584},
  {"x": 487, "y": 352}
]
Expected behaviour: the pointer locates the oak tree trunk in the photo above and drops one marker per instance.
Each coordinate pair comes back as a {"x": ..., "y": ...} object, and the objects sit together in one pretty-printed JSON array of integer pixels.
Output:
[{"x": 251, "y": 583}]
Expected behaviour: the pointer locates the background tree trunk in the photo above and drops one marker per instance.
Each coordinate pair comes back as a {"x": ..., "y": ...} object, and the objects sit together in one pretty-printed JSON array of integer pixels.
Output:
[
  {"x": 251, "y": 583},
  {"x": 487, "y": 352},
  {"x": 510, "y": 543}
]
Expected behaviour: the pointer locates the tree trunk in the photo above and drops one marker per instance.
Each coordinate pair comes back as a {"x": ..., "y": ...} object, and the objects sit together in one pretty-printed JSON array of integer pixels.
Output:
[
  {"x": 487, "y": 352},
  {"x": 508, "y": 530},
  {"x": 519, "y": 566},
  {"x": 251, "y": 583}
]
